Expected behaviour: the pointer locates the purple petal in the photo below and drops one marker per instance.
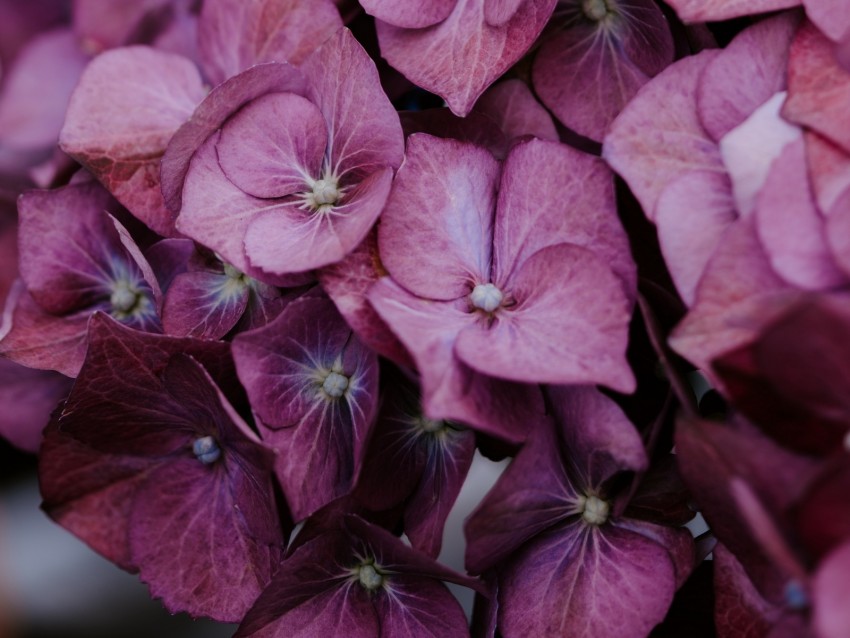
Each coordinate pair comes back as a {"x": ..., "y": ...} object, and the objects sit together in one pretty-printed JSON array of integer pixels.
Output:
[
  {"x": 463, "y": 41},
  {"x": 585, "y": 80},
  {"x": 535, "y": 175},
  {"x": 123, "y": 113},
  {"x": 562, "y": 328},
  {"x": 291, "y": 240},
  {"x": 408, "y": 14},
  {"x": 27, "y": 398},
  {"x": 585, "y": 581},
  {"x": 421, "y": 607},
  {"x": 222, "y": 102},
  {"x": 365, "y": 132},
  {"x": 830, "y": 591},
  {"x": 234, "y": 35},
  {"x": 204, "y": 304},
  {"x": 314, "y": 388},
  {"x": 745, "y": 74},
  {"x": 272, "y": 146},
  {"x": 513, "y": 107},
  {"x": 739, "y": 609},
  {"x": 443, "y": 200},
  {"x": 498, "y": 12},
  {"x": 667, "y": 107}
]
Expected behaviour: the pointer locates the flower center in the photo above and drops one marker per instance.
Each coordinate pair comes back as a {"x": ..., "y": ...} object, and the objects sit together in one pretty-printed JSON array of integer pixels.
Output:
[
  {"x": 369, "y": 577},
  {"x": 125, "y": 298},
  {"x": 596, "y": 10},
  {"x": 323, "y": 195},
  {"x": 795, "y": 595},
  {"x": 486, "y": 297},
  {"x": 335, "y": 385},
  {"x": 431, "y": 426},
  {"x": 206, "y": 450},
  {"x": 594, "y": 510}
]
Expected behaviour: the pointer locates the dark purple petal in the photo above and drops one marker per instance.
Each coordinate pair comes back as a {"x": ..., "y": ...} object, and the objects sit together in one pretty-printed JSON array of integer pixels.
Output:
[
  {"x": 435, "y": 236},
  {"x": 234, "y": 35},
  {"x": 127, "y": 106},
  {"x": 27, "y": 397},
  {"x": 558, "y": 327},
  {"x": 422, "y": 607},
  {"x": 462, "y": 42},
  {"x": 204, "y": 304},
  {"x": 314, "y": 388},
  {"x": 580, "y": 580}
]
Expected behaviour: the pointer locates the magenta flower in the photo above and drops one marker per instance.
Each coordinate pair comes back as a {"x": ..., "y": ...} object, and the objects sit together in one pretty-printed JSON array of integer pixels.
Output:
[
  {"x": 150, "y": 464},
  {"x": 313, "y": 387},
  {"x": 508, "y": 286},
  {"x": 297, "y": 174}
]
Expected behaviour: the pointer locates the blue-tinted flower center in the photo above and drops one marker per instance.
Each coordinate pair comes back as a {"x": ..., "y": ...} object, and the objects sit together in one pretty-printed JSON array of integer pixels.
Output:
[
  {"x": 206, "y": 450},
  {"x": 795, "y": 595},
  {"x": 335, "y": 384},
  {"x": 125, "y": 299},
  {"x": 486, "y": 297},
  {"x": 594, "y": 511}
]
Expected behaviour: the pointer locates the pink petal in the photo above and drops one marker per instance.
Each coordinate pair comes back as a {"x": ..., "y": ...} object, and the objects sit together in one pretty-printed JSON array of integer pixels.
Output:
[
  {"x": 714, "y": 10},
  {"x": 791, "y": 228},
  {"x": 435, "y": 234},
  {"x": 562, "y": 328},
  {"x": 512, "y": 105},
  {"x": 439, "y": 58},
  {"x": 408, "y": 13},
  {"x": 498, "y": 12},
  {"x": 290, "y": 240},
  {"x": 550, "y": 194},
  {"x": 830, "y": 590},
  {"x": 830, "y": 16},
  {"x": 234, "y": 35},
  {"x": 692, "y": 214},
  {"x": 678, "y": 144},
  {"x": 745, "y": 74},
  {"x": 838, "y": 232},
  {"x": 818, "y": 88},
  {"x": 365, "y": 132},
  {"x": 273, "y": 145},
  {"x": 127, "y": 106},
  {"x": 829, "y": 170}
]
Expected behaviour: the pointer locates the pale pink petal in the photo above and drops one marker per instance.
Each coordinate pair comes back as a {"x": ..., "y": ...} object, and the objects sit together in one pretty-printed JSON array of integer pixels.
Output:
[
  {"x": 830, "y": 590},
  {"x": 829, "y": 170},
  {"x": 410, "y": 14},
  {"x": 715, "y": 10},
  {"x": 435, "y": 235},
  {"x": 678, "y": 144},
  {"x": 830, "y": 16}
]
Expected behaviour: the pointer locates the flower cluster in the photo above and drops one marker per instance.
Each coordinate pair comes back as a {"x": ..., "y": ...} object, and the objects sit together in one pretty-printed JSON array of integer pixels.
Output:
[{"x": 263, "y": 306}]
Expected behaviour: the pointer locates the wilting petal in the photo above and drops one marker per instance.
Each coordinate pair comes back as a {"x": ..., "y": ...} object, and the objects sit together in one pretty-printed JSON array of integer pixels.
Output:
[
  {"x": 435, "y": 236},
  {"x": 462, "y": 42},
  {"x": 550, "y": 194},
  {"x": 123, "y": 113},
  {"x": 364, "y": 130},
  {"x": 562, "y": 328},
  {"x": 234, "y": 35}
]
